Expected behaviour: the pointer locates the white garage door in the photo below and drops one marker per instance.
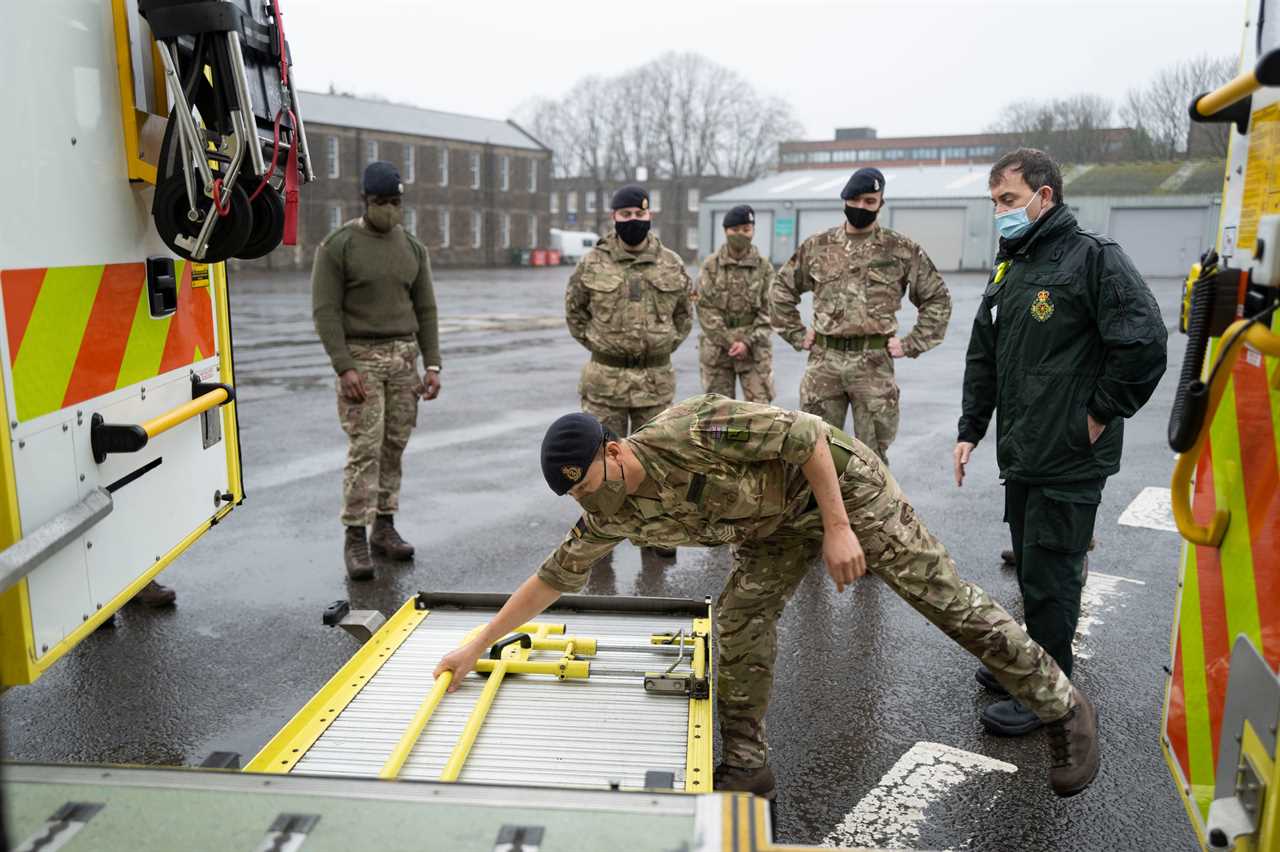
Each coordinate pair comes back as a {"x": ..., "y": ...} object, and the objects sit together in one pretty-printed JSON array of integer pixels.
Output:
[
  {"x": 763, "y": 240},
  {"x": 813, "y": 221},
  {"x": 938, "y": 230},
  {"x": 1161, "y": 241}
]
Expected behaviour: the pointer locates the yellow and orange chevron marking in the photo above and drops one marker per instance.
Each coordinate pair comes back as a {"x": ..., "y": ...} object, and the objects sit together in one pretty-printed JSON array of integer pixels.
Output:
[{"x": 76, "y": 332}]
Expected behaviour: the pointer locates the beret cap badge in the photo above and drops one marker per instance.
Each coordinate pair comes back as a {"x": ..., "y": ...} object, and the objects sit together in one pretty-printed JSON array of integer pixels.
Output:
[{"x": 571, "y": 472}]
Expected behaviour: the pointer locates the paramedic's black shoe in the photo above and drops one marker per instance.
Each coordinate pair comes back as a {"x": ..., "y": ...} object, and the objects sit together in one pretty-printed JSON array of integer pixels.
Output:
[
  {"x": 155, "y": 595},
  {"x": 1009, "y": 718},
  {"x": 1073, "y": 747},
  {"x": 385, "y": 540},
  {"x": 355, "y": 552},
  {"x": 988, "y": 681},
  {"x": 1006, "y": 556},
  {"x": 758, "y": 781}
]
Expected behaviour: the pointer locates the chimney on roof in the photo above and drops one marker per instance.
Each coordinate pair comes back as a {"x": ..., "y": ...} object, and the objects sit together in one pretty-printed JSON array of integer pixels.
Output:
[{"x": 844, "y": 134}]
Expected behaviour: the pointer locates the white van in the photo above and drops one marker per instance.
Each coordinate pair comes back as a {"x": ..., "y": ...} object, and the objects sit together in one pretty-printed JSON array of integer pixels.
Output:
[{"x": 572, "y": 245}]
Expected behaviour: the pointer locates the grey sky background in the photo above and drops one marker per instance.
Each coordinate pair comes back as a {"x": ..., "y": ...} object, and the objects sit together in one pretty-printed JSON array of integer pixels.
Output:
[{"x": 902, "y": 66}]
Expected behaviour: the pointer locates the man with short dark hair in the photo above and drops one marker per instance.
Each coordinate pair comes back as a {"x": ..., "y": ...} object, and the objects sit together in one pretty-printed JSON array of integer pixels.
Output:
[
  {"x": 1068, "y": 343},
  {"x": 375, "y": 312},
  {"x": 732, "y": 299},
  {"x": 783, "y": 487},
  {"x": 858, "y": 273}
]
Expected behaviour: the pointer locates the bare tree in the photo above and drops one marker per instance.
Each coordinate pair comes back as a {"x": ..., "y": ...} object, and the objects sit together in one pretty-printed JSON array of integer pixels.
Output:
[
  {"x": 679, "y": 115},
  {"x": 1159, "y": 110},
  {"x": 1073, "y": 129}
]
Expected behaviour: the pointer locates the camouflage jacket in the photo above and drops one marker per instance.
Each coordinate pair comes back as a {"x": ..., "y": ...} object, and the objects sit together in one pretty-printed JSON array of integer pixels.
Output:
[
  {"x": 718, "y": 471},
  {"x": 732, "y": 298},
  {"x": 857, "y": 288},
  {"x": 619, "y": 303}
]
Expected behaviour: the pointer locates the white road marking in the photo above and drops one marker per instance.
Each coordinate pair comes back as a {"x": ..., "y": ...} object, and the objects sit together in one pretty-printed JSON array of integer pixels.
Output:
[
  {"x": 1153, "y": 509},
  {"x": 891, "y": 814},
  {"x": 1101, "y": 595}
]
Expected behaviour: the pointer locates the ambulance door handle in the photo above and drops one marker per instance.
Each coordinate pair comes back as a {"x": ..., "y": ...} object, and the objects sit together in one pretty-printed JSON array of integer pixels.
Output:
[{"x": 107, "y": 438}]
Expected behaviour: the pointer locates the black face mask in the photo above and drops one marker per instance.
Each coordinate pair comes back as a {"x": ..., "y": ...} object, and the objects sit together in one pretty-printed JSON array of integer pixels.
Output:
[
  {"x": 632, "y": 231},
  {"x": 860, "y": 217}
]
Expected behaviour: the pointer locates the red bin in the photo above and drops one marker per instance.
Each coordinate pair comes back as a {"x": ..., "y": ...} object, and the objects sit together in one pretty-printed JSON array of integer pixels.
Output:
[
  {"x": 539, "y": 257},
  {"x": 553, "y": 257}
]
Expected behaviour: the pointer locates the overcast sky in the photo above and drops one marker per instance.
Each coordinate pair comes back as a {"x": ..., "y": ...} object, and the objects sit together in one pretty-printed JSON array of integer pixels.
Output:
[{"x": 901, "y": 66}]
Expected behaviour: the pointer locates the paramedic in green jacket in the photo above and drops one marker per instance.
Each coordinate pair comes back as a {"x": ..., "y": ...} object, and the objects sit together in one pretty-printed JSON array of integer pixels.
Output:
[{"x": 1068, "y": 343}]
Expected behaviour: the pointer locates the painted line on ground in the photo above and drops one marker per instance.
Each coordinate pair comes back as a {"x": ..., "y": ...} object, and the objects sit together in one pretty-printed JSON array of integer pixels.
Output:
[
  {"x": 1102, "y": 594},
  {"x": 891, "y": 814},
  {"x": 1152, "y": 509}
]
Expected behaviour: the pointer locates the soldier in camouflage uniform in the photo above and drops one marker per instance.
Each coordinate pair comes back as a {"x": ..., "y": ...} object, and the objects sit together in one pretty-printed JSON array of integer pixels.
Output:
[
  {"x": 628, "y": 304},
  {"x": 784, "y": 487},
  {"x": 858, "y": 273},
  {"x": 732, "y": 298},
  {"x": 375, "y": 311}
]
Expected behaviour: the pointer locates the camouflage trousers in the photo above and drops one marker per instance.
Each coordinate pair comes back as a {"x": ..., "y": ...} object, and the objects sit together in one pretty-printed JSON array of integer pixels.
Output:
[
  {"x": 835, "y": 381},
  {"x": 617, "y": 419},
  {"x": 906, "y": 556},
  {"x": 378, "y": 428},
  {"x": 720, "y": 373}
]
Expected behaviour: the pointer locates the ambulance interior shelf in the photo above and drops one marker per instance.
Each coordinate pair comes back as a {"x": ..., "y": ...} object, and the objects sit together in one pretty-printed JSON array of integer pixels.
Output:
[{"x": 226, "y": 65}]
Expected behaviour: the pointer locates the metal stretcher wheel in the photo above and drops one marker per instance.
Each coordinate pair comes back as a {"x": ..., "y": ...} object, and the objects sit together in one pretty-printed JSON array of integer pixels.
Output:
[
  {"x": 170, "y": 211},
  {"x": 268, "y": 225}
]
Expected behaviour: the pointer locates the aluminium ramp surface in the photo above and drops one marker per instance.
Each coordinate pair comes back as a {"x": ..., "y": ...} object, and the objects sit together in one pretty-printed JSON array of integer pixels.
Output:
[{"x": 600, "y": 732}]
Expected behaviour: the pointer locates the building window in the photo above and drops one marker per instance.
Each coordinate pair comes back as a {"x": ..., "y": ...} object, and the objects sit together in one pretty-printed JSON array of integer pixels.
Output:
[
  {"x": 505, "y": 230},
  {"x": 691, "y": 237},
  {"x": 571, "y": 202},
  {"x": 844, "y": 156},
  {"x": 334, "y": 171},
  {"x": 411, "y": 220},
  {"x": 819, "y": 156},
  {"x": 444, "y": 167},
  {"x": 444, "y": 227},
  {"x": 953, "y": 153},
  {"x": 335, "y": 217},
  {"x": 693, "y": 203},
  {"x": 924, "y": 154},
  {"x": 410, "y": 164},
  {"x": 504, "y": 173},
  {"x": 793, "y": 158},
  {"x": 533, "y": 175},
  {"x": 655, "y": 200},
  {"x": 555, "y": 202},
  {"x": 477, "y": 228},
  {"x": 533, "y": 230},
  {"x": 370, "y": 151},
  {"x": 590, "y": 198},
  {"x": 869, "y": 154},
  {"x": 475, "y": 169}
]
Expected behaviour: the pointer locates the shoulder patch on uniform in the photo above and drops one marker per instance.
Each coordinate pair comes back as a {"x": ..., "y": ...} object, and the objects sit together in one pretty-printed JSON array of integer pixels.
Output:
[{"x": 727, "y": 433}]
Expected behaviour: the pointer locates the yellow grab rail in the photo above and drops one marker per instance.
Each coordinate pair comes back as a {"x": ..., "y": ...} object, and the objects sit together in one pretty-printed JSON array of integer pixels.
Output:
[
  {"x": 1263, "y": 340},
  {"x": 1228, "y": 94},
  {"x": 163, "y": 423}
]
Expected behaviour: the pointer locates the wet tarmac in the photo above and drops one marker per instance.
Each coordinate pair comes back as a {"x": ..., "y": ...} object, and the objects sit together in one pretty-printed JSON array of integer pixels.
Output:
[{"x": 862, "y": 679}]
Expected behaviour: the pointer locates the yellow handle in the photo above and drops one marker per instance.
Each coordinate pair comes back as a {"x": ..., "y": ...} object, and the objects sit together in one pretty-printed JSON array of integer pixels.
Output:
[
  {"x": 184, "y": 412},
  {"x": 1261, "y": 339},
  {"x": 1229, "y": 93}
]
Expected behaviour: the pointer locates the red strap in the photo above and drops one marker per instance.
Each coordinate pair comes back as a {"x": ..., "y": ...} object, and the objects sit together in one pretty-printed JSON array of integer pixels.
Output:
[{"x": 291, "y": 193}]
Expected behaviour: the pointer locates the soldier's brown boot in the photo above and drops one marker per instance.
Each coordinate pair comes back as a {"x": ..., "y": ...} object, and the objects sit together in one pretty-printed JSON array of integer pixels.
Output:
[
  {"x": 385, "y": 540},
  {"x": 155, "y": 595},
  {"x": 758, "y": 781},
  {"x": 1073, "y": 746},
  {"x": 356, "y": 553}
]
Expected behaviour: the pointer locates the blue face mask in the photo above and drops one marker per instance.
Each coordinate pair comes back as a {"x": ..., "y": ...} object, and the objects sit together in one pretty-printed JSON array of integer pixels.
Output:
[{"x": 1014, "y": 223}]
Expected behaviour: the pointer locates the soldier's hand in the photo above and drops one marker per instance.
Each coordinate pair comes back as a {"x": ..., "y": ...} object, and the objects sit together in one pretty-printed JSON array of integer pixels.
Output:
[
  {"x": 431, "y": 385},
  {"x": 353, "y": 386},
  {"x": 738, "y": 349},
  {"x": 809, "y": 337},
  {"x": 1095, "y": 429},
  {"x": 894, "y": 346},
  {"x": 961, "y": 457},
  {"x": 459, "y": 661},
  {"x": 843, "y": 554}
]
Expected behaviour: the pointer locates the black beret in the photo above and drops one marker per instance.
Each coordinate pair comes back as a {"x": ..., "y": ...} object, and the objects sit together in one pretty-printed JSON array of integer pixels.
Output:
[
  {"x": 740, "y": 215},
  {"x": 381, "y": 178},
  {"x": 630, "y": 196},
  {"x": 863, "y": 180},
  {"x": 568, "y": 448}
]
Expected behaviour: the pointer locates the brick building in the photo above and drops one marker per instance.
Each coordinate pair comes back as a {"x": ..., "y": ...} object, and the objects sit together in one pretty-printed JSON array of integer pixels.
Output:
[
  {"x": 474, "y": 188},
  {"x": 855, "y": 147},
  {"x": 582, "y": 204}
]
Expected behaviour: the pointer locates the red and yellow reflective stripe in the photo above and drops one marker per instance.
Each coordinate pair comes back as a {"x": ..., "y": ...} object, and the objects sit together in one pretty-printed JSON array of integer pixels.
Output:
[{"x": 78, "y": 332}]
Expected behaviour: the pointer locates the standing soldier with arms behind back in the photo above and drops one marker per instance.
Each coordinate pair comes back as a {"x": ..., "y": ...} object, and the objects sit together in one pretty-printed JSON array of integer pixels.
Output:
[
  {"x": 858, "y": 273},
  {"x": 628, "y": 304},
  {"x": 732, "y": 299},
  {"x": 375, "y": 311}
]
